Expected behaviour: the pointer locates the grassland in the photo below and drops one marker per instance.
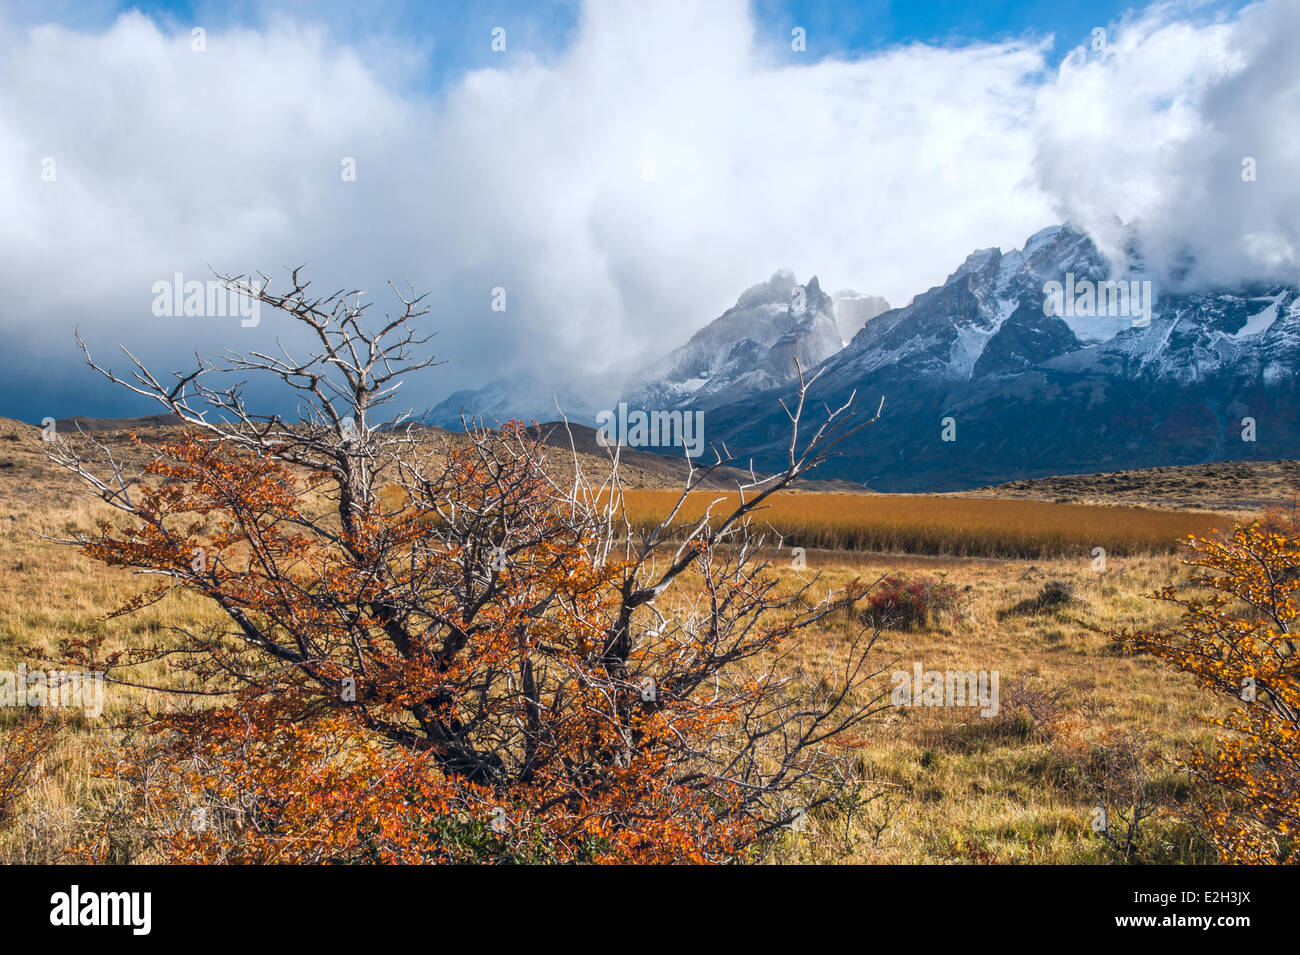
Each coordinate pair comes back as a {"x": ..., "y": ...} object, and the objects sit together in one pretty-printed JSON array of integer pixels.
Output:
[
  {"x": 940, "y": 785},
  {"x": 1236, "y": 487},
  {"x": 952, "y": 786}
]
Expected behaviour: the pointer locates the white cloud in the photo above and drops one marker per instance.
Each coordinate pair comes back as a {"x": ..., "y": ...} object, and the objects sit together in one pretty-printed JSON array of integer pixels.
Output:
[
  {"x": 1154, "y": 131},
  {"x": 879, "y": 173}
]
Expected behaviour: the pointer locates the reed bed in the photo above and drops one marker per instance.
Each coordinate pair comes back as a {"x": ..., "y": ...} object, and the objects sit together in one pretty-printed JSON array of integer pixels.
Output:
[{"x": 946, "y": 526}]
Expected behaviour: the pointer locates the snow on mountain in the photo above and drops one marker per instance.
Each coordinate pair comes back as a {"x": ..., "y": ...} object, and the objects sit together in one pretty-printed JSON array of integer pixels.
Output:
[
  {"x": 1195, "y": 337},
  {"x": 525, "y": 398},
  {"x": 1098, "y": 386},
  {"x": 751, "y": 347},
  {"x": 1035, "y": 382}
]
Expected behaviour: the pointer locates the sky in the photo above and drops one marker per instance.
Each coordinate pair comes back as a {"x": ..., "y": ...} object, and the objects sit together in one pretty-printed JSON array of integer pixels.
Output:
[{"x": 622, "y": 170}]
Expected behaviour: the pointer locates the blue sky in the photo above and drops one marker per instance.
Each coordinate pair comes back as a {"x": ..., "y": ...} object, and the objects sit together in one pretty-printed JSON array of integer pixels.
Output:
[{"x": 444, "y": 33}]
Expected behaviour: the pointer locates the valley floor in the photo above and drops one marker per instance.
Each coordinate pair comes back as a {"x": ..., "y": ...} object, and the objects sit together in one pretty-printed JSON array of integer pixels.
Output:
[
  {"x": 1079, "y": 727},
  {"x": 950, "y": 785}
]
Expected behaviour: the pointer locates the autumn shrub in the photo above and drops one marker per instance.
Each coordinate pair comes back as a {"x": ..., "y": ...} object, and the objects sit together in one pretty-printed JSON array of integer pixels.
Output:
[
  {"x": 1032, "y": 709},
  {"x": 1235, "y": 637},
  {"x": 26, "y": 741},
  {"x": 910, "y": 603}
]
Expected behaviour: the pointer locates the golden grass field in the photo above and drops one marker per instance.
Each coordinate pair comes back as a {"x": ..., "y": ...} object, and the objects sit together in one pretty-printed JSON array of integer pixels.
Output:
[
  {"x": 951, "y": 786},
  {"x": 946, "y": 526}
]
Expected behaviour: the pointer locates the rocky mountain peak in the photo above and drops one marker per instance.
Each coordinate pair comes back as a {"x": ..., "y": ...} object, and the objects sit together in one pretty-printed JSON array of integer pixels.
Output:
[
  {"x": 776, "y": 290},
  {"x": 750, "y": 347}
]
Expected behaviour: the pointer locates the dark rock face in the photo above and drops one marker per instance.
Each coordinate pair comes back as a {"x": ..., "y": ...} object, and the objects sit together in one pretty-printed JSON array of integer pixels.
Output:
[{"x": 1026, "y": 339}]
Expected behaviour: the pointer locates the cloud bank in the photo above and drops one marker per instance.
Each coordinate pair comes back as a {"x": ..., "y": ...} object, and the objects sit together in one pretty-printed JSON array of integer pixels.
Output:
[
  {"x": 622, "y": 192},
  {"x": 1189, "y": 134}
]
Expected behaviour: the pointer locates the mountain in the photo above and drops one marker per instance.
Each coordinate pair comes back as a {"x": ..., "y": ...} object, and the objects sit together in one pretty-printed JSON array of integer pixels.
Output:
[
  {"x": 1032, "y": 394},
  {"x": 749, "y": 348},
  {"x": 853, "y": 310},
  {"x": 523, "y": 397},
  {"x": 1030, "y": 361},
  {"x": 83, "y": 423}
]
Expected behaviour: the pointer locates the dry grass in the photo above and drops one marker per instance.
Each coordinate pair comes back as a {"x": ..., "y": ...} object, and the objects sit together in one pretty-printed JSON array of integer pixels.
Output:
[
  {"x": 1236, "y": 487},
  {"x": 952, "y": 786},
  {"x": 948, "y": 526},
  {"x": 958, "y": 787}
]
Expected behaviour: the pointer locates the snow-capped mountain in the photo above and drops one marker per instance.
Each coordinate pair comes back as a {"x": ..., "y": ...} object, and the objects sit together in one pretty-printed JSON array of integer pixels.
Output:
[
  {"x": 750, "y": 348},
  {"x": 1100, "y": 383},
  {"x": 525, "y": 398},
  {"x": 1042, "y": 360}
]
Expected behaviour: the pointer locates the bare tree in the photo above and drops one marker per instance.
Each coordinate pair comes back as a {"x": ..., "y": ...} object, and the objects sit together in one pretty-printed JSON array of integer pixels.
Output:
[{"x": 486, "y": 610}]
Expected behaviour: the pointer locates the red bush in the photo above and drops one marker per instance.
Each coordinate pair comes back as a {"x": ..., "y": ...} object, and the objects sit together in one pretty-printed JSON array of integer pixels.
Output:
[{"x": 907, "y": 604}]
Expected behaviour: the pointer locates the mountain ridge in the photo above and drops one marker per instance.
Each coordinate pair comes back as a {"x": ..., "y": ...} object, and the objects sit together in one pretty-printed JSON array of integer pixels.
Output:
[
  {"x": 990, "y": 377},
  {"x": 1031, "y": 394}
]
